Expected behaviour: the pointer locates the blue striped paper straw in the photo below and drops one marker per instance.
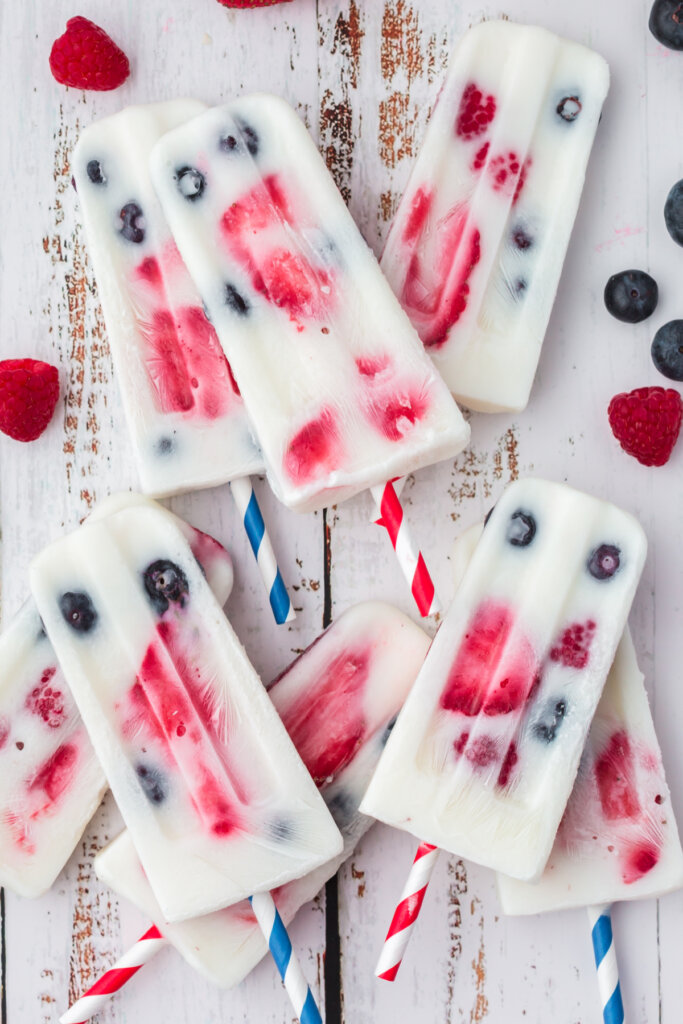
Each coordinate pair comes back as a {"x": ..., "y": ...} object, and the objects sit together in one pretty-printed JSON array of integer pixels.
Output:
[
  {"x": 288, "y": 966},
  {"x": 606, "y": 964},
  {"x": 248, "y": 507}
]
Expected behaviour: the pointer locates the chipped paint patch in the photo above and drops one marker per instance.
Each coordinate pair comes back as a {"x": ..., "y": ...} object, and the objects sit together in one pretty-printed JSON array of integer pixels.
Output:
[
  {"x": 480, "y": 1010},
  {"x": 85, "y": 353},
  {"x": 476, "y": 474},
  {"x": 339, "y": 126},
  {"x": 358, "y": 876},
  {"x": 457, "y": 889},
  {"x": 94, "y": 922}
]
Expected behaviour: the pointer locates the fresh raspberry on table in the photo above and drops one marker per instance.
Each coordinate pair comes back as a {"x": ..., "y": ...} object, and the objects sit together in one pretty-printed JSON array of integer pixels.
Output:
[
  {"x": 29, "y": 390},
  {"x": 87, "y": 58},
  {"x": 243, "y": 5},
  {"x": 646, "y": 423}
]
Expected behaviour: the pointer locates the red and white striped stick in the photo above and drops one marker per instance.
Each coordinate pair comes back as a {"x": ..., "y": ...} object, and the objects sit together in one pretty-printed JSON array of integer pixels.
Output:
[
  {"x": 392, "y": 518},
  {"x": 406, "y": 912},
  {"x": 147, "y": 946}
]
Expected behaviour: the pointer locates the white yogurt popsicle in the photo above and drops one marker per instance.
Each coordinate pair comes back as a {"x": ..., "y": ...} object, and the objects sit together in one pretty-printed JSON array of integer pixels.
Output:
[
  {"x": 338, "y": 702},
  {"x": 217, "y": 800},
  {"x": 186, "y": 418},
  {"x": 51, "y": 781},
  {"x": 334, "y": 378},
  {"x": 476, "y": 248},
  {"x": 484, "y": 754}
]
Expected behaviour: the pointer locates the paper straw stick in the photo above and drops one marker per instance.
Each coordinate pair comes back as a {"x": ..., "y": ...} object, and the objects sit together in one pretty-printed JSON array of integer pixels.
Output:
[
  {"x": 248, "y": 506},
  {"x": 288, "y": 966},
  {"x": 92, "y": 1001},
  {"x": 407, "y": 911},
  {"x": 410, "y": 559},
  {"x": 606, "y": 964}
]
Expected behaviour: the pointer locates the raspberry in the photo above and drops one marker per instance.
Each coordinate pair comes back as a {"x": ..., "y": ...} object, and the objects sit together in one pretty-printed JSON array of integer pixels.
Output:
[
  {"x": 29, "y": 390},
  {"x": 46, "y": 702},
  {"x": 646, "y": 423},
  {"x": 244, "y": 5},
  {"x": 475, "y": 113},
  {"x": 87, "y": 58},
  {"x": 573, "y": 648},
  {"x": 508, "y": 174}
]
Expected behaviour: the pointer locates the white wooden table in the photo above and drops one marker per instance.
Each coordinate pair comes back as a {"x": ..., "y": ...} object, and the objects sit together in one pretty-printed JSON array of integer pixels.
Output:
[{"x": 363, "y": 75}]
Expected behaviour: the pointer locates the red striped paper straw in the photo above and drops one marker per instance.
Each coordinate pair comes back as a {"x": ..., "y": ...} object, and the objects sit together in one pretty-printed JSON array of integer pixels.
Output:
[
  {"x": 147, "y": 946},
  {"x": 392, "y": 518},
  {"x": 407, "y": 912}
]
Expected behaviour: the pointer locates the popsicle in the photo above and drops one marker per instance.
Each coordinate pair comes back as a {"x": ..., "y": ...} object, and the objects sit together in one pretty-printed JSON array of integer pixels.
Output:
[
  {"x": 185, "y": 415},
  {"x": 483, "y": 756},
  {"x": 51, "y": 782},
  {"x": 338, "y": 702},
  {"x": 218, "y": 802},
  {"x": 477, "y": 245},
  {"x": 336, "y": 383}
]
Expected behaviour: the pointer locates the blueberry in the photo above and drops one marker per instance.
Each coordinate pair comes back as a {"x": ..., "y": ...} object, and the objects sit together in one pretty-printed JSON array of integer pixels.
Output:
[
  {"x": 165, "y": 583},
  {"x": 95, "y": 173},
  {"x": 131, "y": 228},
  {"x": 604, "y": 561},
  {"x": 521, "y": 529},
  {"x": 518, "y": 288},
  {"x": 488, "y": 515},
  {"x": 280, "y": 830},
  {"x": 569, "y": 108},
  {"x": 237, "y": 303},
  {"x": 673, "y": 212},
  {"x": 78, "y": 611},
  {"x": 246, "y": 134},
  {"x": 152, "y": 783},
  {"x": 521, "y": 238},
  {"x": 190, "y": 183},
  {"x": 666, "y": 23},
  {"x": 547, "y": 725},
  {"x": 387, "y": 731},
  {"x": 165, "y": 445},
  {"x": 631, "y": 296},
  {"x": 667, "y": 350},
  {"x": 343, "y": 808}
]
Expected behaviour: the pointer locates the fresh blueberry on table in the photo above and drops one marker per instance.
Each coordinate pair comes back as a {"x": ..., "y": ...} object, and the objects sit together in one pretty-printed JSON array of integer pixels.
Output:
[
  {"x": 631, "y": 296},
  {"x": 666, "y": 23},
  {"x": 667, "y": 350},
  {"x": 673, "y": 210}
]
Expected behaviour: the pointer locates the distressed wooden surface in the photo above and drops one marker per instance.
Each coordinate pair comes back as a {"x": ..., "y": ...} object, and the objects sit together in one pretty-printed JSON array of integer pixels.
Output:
[{"x": 363, "y": 75}]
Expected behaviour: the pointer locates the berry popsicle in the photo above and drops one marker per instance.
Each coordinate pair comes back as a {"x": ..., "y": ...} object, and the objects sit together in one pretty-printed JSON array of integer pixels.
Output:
[
  {"x": 483, "y": 756},
  {"x": 51, "y": 782},
  {"x": 218, "y": 802},
  {"x": 337, "y": 386},
  {"x": 337, "y": 701},
  {"x": 476, "y": 248},
  {"x": 186, "y": 418}
]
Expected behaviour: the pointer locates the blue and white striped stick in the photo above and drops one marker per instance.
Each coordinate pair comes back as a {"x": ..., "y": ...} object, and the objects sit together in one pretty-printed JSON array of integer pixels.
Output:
[
  {"x": 606, "y": 964},
  {"x": 248, "y": 507},
  {"x": 288, "y": 966}
]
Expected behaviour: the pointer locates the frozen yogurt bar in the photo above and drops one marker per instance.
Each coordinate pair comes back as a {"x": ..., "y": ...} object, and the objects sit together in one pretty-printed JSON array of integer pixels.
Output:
[
  {"x": 476, "y": 248},
  {"x": 483, "y": 757},
  {"x": 334, "y": 378}
]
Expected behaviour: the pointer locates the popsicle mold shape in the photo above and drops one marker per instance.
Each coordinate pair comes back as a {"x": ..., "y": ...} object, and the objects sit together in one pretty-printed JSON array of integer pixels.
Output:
[
  {"x": 334, "y": 379},
  {"x": 477, "y": 245}
]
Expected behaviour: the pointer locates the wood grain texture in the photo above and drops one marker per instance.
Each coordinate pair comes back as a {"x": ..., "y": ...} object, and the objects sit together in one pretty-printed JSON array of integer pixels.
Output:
[{"x": 364, "y": 76}]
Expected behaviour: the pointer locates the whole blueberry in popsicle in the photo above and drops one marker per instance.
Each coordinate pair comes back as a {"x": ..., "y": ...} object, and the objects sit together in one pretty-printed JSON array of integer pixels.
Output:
[
  {"x": 166, "y": 583},
  {"x": 78, "y": 610}
]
